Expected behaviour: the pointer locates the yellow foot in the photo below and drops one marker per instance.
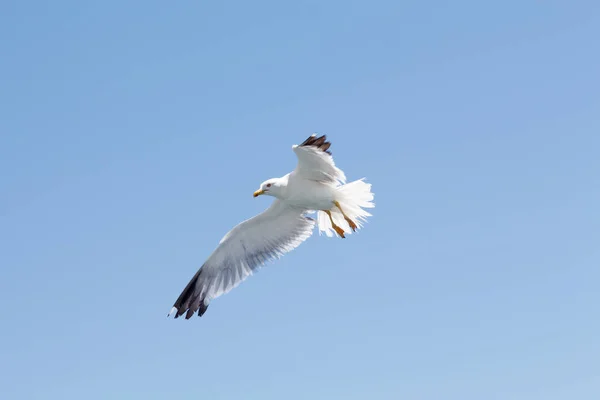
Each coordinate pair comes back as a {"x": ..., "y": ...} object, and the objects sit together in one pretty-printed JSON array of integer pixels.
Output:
[
  {"x": 352, "y": 224},
  {"x": 336, "y": 228},
  {"x": 348, "y": 220},
  {"x": 339, "y": 231}
]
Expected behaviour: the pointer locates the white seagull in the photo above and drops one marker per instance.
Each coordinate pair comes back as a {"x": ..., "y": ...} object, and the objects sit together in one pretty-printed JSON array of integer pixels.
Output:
[{"x": 315, "y": 185}]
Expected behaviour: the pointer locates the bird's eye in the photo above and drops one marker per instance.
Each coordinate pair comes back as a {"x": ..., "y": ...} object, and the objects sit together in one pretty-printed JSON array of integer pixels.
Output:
[{"x": 268, "y": 185}]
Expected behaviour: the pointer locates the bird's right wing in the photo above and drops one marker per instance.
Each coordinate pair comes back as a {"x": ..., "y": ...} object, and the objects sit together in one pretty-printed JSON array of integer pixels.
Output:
[
  {"x": 268, "y": 235},
  {"x": 315, "y": 161}
]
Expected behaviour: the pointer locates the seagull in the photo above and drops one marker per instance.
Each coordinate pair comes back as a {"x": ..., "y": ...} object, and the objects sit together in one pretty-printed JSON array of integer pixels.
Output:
[{"x": 316, "y": 185}]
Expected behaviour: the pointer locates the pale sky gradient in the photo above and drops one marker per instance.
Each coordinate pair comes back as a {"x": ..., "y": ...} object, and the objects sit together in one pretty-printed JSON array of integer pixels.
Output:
[{"x": 132, "y": 135}]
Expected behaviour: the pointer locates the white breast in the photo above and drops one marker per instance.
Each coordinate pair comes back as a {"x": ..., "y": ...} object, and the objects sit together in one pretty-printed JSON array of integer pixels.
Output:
[{"x": 309, "y": 194}]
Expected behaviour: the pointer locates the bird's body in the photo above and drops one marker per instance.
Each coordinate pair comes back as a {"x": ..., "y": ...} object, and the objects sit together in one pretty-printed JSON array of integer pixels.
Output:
[
  {"x": 315, "y": 185},
  {"x": 306, "y": 194}
]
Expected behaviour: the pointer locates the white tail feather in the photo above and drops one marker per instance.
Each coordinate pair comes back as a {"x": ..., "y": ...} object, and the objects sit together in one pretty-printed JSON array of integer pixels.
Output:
[{"x": 353, "y": 198}]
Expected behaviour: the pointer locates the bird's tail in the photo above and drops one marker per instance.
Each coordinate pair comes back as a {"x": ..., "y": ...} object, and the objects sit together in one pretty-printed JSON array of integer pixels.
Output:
[{"x": 353, "y": 198}]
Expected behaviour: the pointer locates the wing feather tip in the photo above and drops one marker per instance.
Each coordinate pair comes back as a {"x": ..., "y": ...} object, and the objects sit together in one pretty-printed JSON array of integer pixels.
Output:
[{"x": 320, "y": 143}]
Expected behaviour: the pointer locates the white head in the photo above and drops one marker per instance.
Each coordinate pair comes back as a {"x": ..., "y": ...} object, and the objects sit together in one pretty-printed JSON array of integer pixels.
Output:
[{"x": 271, "y": 187}]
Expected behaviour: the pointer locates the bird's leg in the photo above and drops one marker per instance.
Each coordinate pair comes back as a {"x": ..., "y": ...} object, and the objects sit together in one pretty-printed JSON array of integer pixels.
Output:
[
  {"x": 336, "y": 228},
  {"x": 348, "y": 220}
]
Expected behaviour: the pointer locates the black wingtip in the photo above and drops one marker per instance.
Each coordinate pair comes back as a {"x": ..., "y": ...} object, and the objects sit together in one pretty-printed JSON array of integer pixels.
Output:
[
  {"x": 202, "y": 309},
  {"x": 320, "y": 143},
  {"x": 309, "y": 140},
  {"x": 191, "y": 300}
]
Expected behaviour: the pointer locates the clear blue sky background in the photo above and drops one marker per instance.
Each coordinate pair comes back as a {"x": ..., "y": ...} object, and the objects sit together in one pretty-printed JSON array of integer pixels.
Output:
[{"x": 132, "y": 135}]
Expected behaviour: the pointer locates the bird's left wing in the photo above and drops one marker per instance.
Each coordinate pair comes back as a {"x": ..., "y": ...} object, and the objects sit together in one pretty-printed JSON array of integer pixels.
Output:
[{"x": 268, "y": 235}]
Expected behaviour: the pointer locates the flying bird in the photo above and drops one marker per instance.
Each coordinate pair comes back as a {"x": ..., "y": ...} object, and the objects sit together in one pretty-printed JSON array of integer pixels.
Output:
[{"x": 316, "y": 185}]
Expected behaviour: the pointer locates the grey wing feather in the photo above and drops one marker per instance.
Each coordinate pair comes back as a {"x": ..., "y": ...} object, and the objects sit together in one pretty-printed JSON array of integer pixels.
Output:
[{"x": 247, "y": 247}]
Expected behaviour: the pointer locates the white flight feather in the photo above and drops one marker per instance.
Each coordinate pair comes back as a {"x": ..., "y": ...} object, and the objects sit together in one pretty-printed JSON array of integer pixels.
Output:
[
  {"x": 264, "y": 237},
  {"x": 317, "y": 165}
]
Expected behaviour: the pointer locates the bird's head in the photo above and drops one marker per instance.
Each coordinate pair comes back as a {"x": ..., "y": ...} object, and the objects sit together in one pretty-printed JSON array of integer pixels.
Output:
[{"x": 271, "y": 187}]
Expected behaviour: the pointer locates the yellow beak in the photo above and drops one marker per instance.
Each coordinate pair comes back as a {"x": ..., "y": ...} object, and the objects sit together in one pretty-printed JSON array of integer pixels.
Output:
[{"x": 258, "y": 193}]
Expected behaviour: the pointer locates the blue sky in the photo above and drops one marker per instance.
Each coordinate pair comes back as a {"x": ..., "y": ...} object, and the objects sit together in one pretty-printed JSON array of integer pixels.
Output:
[{"x": 132, "y": 135}]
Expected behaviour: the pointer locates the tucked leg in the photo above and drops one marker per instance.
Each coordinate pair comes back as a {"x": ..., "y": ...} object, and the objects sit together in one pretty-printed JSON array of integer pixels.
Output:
[
  {"x": 336, "y": 228},
  {"x": 348, "y": 220}
]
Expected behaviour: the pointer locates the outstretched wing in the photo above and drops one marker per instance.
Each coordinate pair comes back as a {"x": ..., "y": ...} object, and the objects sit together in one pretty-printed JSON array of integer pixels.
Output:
[
  {"x": 268, "y": 235},
  {"x": 315, "y": 161}
]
